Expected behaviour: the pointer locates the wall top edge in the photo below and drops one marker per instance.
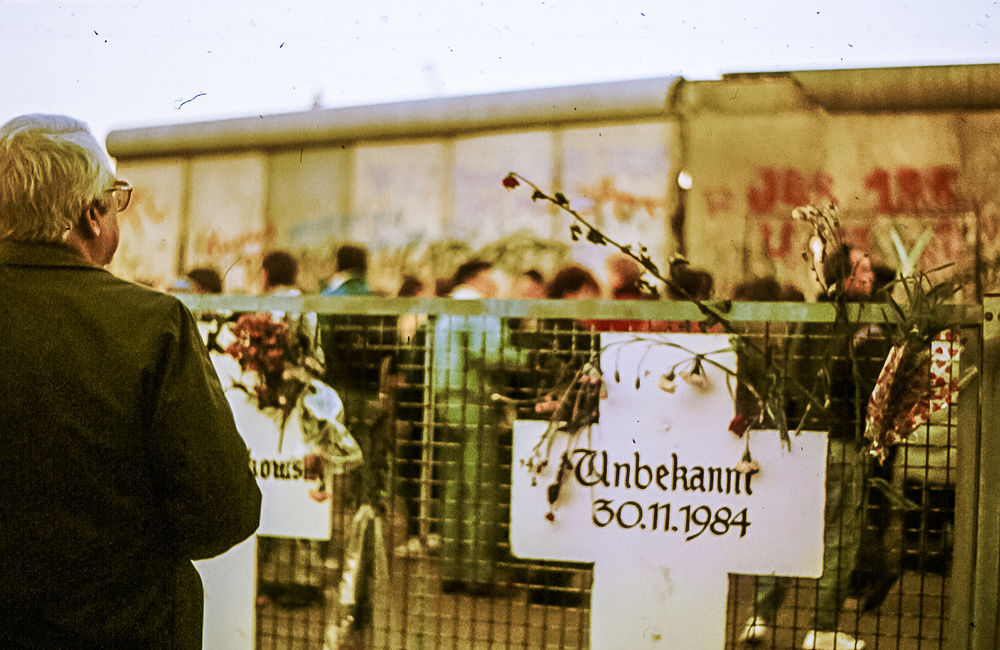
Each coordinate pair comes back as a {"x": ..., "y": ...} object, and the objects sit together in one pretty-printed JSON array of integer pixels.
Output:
[{"x": 621, "y": 100}]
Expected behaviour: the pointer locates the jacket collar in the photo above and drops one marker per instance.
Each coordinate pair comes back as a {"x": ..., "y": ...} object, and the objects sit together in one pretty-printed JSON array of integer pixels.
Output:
[{"x": 22, "y": 253}]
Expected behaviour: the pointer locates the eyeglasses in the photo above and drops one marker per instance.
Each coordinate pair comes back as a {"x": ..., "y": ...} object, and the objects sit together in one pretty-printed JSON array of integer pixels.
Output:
[{"x": 121, "y": 194}]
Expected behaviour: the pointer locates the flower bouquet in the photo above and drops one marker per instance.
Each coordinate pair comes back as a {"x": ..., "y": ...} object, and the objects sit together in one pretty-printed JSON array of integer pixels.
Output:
[
  {"x": 920, "y": 373},
  {"x": 916, "y": 381},
  {"x": 278, "y": 355}
]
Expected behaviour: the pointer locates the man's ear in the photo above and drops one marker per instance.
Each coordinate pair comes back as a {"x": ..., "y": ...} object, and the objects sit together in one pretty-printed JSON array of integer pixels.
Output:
[{"x": 91, "y": 219}]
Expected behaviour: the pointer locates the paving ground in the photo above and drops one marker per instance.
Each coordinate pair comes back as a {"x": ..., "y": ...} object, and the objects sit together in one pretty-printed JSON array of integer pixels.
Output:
[{"x": 417, "y": 614}]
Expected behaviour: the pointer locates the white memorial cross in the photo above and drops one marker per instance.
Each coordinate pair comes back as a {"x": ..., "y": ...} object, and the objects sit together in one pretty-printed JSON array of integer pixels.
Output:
[{"x": 651, "y": 496}]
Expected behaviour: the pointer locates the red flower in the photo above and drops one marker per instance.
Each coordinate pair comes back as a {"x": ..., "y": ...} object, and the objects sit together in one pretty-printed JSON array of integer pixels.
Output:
[
  {"x": 547, "y": 405},
  {"x": 319, "y": 496},
  {"x": 313, "y": 465},
  {"x": 510, "y": 181},
  {"x": 739, "y": 425}
]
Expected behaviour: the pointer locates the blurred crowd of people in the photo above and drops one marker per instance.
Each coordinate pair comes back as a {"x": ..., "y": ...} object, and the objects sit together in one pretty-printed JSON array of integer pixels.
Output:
[{"x": 623, "y": 279}]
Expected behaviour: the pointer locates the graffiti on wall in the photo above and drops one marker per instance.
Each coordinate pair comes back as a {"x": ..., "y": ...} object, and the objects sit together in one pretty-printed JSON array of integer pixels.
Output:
[
  {"x": 895, "y": 195},
  {"x": 319, "y": 230},
  {"x": 623, "y": 205},
  {"x": 788, "y": 188},
  {"x": 908, "y": 189},
  {"x": 908, "y": 216},
  {"x": 216, "y": 246},
  {"x": 778, "y": 237},
  {"x": 892, "y": 192}
]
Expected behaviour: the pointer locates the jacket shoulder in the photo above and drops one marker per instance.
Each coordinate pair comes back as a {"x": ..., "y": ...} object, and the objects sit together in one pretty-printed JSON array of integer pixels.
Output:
[
  {"x": 137, "y": 304},
  {"x": 140, "y": 294}
]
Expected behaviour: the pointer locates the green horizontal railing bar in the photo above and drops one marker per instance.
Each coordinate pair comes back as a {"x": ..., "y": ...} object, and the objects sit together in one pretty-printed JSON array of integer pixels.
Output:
[{"x": 793, "y": 312}]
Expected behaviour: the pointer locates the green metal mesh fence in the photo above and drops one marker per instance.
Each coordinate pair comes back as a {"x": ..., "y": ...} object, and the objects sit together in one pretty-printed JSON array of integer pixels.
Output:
[{"x": 434, "y": 420}]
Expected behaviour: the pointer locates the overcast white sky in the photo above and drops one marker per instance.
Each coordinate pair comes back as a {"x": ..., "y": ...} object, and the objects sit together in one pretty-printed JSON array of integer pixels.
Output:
[{"x": 123, "y": 63}]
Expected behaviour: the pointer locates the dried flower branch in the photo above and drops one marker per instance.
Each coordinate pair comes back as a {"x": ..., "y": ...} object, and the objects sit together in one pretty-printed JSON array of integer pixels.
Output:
[
  {"x": 713, "y": 312},
  {"x": 581, "y": 228},
  {"x": 826, "y": 239}
]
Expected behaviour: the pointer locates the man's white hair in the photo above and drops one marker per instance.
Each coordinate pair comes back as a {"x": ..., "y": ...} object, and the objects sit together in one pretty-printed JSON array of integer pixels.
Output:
[{"x": 51, "y": 169}]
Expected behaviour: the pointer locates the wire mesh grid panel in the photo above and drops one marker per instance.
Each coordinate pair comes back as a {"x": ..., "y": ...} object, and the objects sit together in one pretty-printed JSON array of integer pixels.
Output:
[
  {"x": 431, "y": 400},
  {"x": 888, "y": 584}
]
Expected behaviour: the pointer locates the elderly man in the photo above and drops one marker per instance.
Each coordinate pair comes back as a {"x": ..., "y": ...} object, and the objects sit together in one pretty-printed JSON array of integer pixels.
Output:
[{"x": 120, "y": 459}]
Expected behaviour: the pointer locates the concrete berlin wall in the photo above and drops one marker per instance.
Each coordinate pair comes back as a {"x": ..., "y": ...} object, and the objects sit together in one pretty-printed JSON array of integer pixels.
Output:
[{"x": 419, "y": 182}]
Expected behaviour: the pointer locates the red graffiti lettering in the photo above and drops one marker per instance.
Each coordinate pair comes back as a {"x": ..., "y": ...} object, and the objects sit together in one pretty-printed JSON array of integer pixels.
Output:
[
  {"x": 878, "y": 181},
  {"x": 911, "y": 189},
  {"x": 942, "y": 187},
  {"x": 793, "y": 188},
  {"x": 914, "y": 189},
  {"x": 787, "y": 187},
  {"x": 623, "y": 204},
  {"x": 718, "y": 200},
  {"x": 784, "y": 247},
  {"x": 762, "y": 200},
  {"x": 214, "y": 245}
]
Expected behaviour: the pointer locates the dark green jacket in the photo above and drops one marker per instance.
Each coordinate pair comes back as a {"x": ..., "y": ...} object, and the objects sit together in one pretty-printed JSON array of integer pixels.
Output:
[{"x": 119, "y": 459}]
